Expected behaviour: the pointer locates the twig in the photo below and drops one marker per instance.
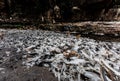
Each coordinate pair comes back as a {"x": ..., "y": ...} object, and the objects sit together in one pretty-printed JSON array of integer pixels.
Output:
[
  {"x": 110, "y": 69},
  {"x": 102, "y": 74}
]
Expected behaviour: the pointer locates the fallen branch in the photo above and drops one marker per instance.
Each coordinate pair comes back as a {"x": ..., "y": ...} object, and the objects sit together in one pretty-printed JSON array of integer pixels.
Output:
[{"x": 111, "y": 72}]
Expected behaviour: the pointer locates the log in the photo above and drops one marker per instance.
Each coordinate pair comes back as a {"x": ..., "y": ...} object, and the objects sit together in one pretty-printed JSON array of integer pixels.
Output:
[{"x": 97, "y": 28}]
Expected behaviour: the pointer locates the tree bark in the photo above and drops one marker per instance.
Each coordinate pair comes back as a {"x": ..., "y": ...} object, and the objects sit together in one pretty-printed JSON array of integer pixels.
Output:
[{"x": 7, "y": 8}]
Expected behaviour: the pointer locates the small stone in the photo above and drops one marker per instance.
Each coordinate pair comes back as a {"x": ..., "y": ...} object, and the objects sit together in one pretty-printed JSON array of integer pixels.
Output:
[
  {"x": 2, "y": 69},
  {"x": 8, "y": 53},
  {"x": 29, "y": 60}
]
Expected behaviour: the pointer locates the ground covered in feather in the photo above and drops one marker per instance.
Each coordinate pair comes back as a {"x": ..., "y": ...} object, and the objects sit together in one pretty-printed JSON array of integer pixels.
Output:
[{"x": 26, "y": 55}]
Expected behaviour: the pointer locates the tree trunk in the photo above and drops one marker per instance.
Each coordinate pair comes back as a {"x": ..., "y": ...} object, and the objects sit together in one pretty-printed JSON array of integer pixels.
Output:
[{"x": 7, "y": 8}]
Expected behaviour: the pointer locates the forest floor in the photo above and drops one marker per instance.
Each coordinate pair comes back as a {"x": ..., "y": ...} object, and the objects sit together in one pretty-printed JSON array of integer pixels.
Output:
[
  {"x": 13, "y": 44},
  {"x": 11, "y": 68}
]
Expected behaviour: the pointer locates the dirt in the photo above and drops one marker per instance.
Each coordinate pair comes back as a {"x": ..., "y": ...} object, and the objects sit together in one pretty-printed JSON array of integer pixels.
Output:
[{"x": 11, "y": 68}]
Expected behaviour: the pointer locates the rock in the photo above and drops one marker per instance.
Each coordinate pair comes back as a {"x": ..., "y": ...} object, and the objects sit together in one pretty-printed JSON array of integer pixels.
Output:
[
  {"x": 8, "y": 53},
  {"x": 2, "y": 69},
  {"x": 70, "y": 54}
]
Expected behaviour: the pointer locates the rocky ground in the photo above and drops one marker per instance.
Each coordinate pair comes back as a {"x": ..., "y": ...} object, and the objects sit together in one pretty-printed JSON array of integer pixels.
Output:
[{"x": 37, "y": 55}]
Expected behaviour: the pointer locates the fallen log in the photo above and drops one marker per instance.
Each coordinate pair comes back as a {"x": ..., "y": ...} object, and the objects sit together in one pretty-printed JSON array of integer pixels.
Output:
[{"x": 97, "y": 28}]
